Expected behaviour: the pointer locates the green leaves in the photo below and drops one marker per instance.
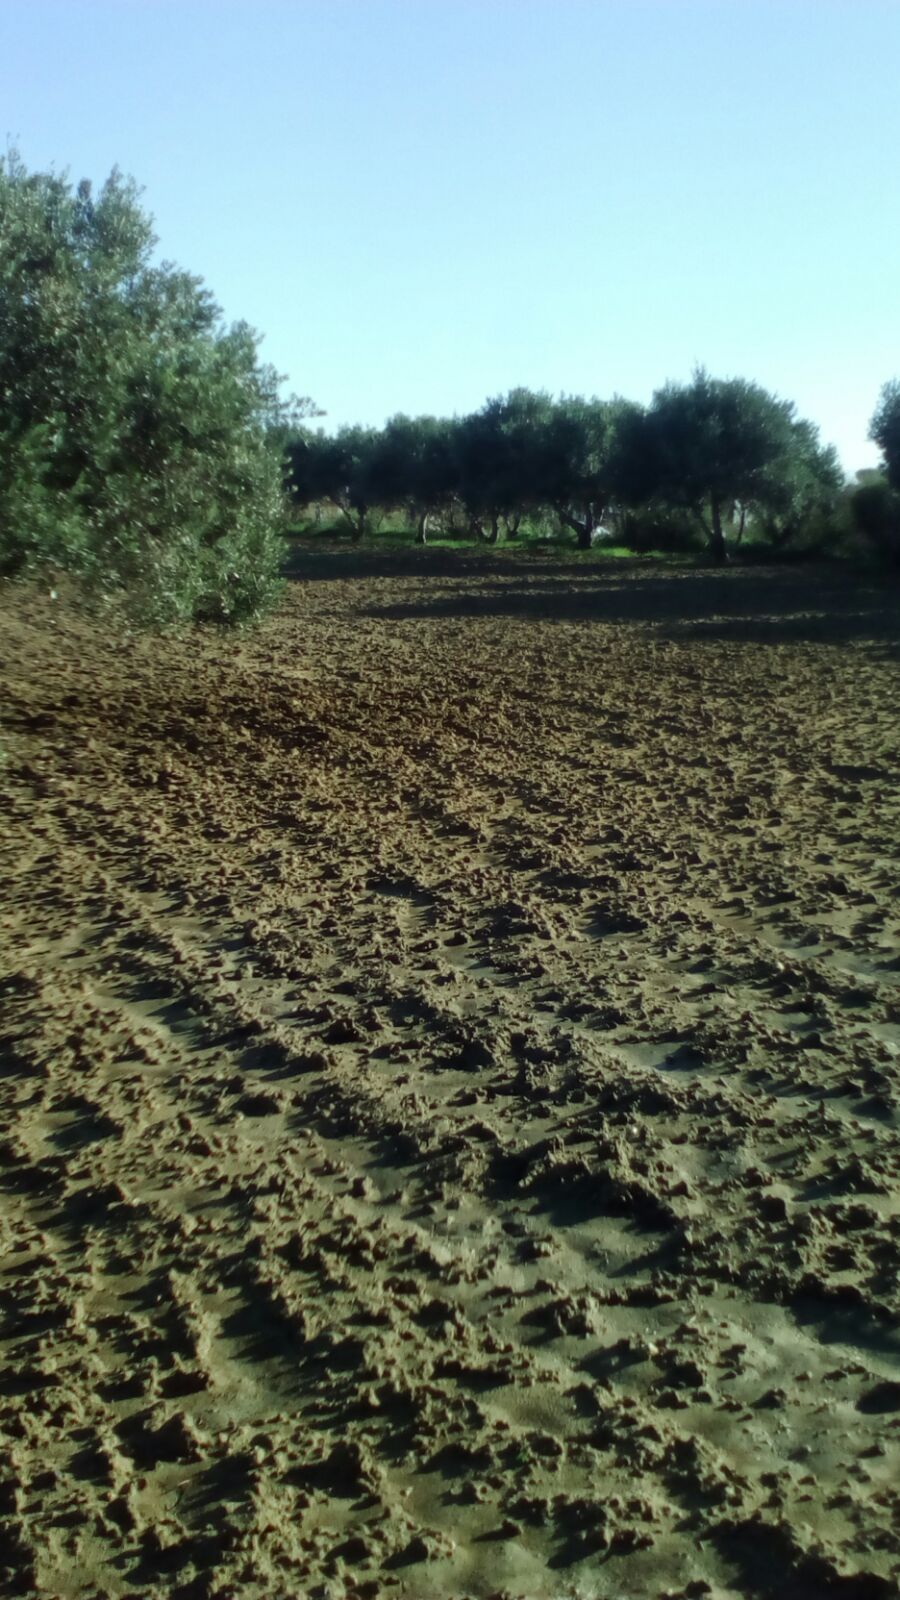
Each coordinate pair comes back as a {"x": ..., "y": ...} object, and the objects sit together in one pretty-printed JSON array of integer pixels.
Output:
[
  {"x": 712, "y": 459},
  {"x": 884, "y": 430},
  {"x": 134, "y": 429},
  {"x": 714, "y": 443}
]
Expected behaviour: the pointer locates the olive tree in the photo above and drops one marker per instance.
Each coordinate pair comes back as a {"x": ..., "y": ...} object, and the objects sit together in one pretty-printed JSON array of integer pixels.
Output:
[
  {"x": 585, "y": 461},
  {"x": 413, "y": 467},
  {"x": 802, "y": 492},
  {"x": 710, "y": 444},
  {"x": 487, "y": 461},
  {"x": 884, "y": 430},
  {"x": 135, "y": 428},
  {"x": 876, "y": 502},
  {"x": 338, "y": 468}
]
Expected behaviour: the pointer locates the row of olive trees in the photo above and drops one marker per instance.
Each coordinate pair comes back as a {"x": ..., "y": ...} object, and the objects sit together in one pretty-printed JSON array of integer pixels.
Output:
[
  {"x": 719, "y": 453},
  {"x": 136, "y": 431},
  {"x": 142, "y": 442}
]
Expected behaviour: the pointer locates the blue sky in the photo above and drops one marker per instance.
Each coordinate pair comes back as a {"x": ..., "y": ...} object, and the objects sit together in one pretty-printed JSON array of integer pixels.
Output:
[{"x": 421, "y": 203}]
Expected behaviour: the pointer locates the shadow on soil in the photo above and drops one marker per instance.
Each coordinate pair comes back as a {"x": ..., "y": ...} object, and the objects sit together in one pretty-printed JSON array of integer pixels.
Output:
[
  {"x": 764, "y": 607},
  {"x": 828, "y": 604},
  {"x": 309, "y": 563}
]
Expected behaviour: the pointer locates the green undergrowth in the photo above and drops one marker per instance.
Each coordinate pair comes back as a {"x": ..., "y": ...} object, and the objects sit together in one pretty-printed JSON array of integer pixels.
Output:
[{"x": 386, "y": 538}]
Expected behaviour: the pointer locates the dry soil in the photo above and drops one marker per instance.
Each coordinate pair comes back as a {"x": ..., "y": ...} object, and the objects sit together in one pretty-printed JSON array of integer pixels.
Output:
[{"x": 450, "y": 1090}]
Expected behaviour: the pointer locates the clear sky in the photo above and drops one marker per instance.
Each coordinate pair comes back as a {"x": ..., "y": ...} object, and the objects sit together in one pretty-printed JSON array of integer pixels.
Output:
[{"x": 422, "y": 203}]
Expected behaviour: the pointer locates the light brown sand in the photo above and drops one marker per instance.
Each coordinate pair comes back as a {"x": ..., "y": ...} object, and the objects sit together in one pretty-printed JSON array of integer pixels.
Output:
[{"x": 450, "y": 1092}]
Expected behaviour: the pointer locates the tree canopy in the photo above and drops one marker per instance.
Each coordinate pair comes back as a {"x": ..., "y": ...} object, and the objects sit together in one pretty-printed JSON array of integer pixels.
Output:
[
  {"x": 718, "y": 453},
  {"x": 884, "y": 430},
  {"x": 876, "y": 501},
  {"x": 711, "y": 443},
  {"x": 135, "y": 429}
]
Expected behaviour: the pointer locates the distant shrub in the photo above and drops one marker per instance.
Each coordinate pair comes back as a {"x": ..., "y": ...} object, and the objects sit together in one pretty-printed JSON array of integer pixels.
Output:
[{"x": 136, "y": 432}]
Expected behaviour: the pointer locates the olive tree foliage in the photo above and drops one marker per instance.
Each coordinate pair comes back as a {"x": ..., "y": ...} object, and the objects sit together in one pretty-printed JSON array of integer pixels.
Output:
[
  {"x": 413, "y": 468},
  {"x": 705, "y": 462},
  {"x": 586, "y": 471},
  {"x": 520, "y": 454},
  {"x": 876, "y": 502},
  {"x": 337, "y": 468},
  {"x": 497, "y": 456},
  {"x": 137, "y": 433},
  {"x": 711, "y": 445},
  {"x": 525, "y": 453},
  {"x": 802, "y": 495},
  {"x": 875, "y": 509},
  {"x": 884, "y": 430}
]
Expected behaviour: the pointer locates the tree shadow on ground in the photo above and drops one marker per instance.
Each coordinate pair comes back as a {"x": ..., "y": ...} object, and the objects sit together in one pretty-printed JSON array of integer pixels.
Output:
[
  {"x": 768, "y": 606},
  {"x": 307, "y": 562}
]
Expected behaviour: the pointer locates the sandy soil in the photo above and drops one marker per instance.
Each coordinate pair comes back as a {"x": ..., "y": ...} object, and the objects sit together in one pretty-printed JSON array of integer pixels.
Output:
[{"x": 451, "y": 1082}]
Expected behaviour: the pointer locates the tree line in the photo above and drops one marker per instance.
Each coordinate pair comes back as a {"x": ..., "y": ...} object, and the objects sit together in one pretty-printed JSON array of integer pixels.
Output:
[
  {"x": 146, "y": 449},
  {"x": 717, "y": 453}
]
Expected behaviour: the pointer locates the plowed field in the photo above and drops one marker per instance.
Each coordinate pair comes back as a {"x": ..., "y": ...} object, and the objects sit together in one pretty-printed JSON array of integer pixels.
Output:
[{"x": 451, "y": 1090}]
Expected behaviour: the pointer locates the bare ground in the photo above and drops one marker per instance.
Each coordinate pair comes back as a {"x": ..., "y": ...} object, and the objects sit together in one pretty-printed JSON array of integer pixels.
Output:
[{"x": 450, "y": 1091}]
